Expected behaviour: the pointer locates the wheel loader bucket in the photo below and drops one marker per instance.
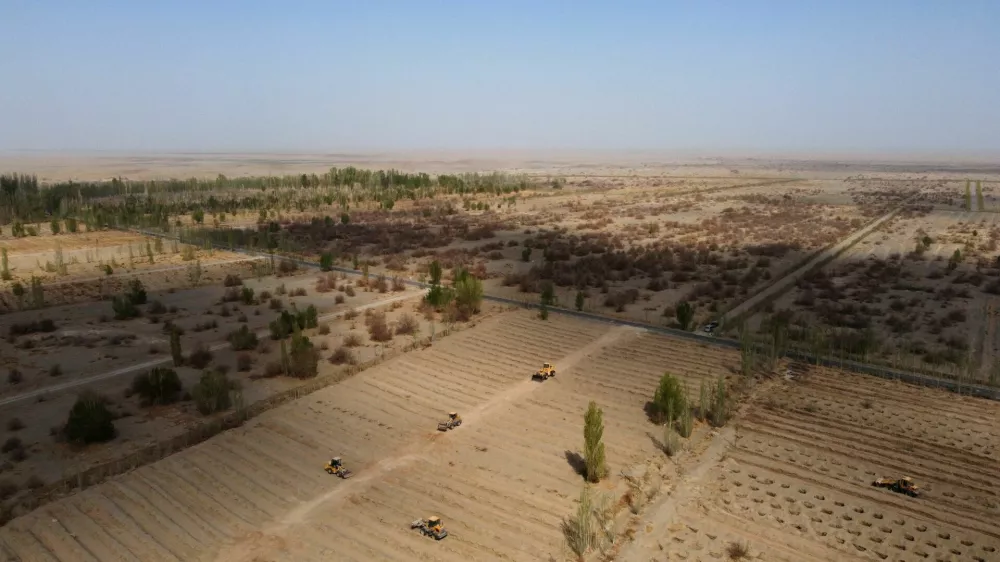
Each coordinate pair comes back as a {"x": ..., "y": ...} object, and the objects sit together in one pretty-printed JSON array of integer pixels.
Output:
[{"x": 417, "y": 524}]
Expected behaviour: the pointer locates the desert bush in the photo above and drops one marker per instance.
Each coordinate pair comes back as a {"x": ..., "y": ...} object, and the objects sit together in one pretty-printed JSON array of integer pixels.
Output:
[
  {"x": 136, "y": 292},
  {"x": 685, "y": 315},
  {"x": 211, "y": 394},
  {"x": 156, "y": 307},
  {"x": 351, "y": 314},
  {"x": 244, "y": 362},
  {"x": 349, "y": 291},
  {"x": 159, "y": 386},
  {"x": 232, "y": 280},
  {"x": 719, "y": 408},
  {"x": 225, "y": 312},
  {"x": 200, "y": 357},
  {"x": 302, "y": 358},
  {"x": 276, "y": 304},
  {"x": 124, "y": 308},
  {"x": 7, "y": 489},
  {"x": 324, "y": 329},
  {"x": 55, "y": 370},
  {"x": 398, "y": 284},
  {"x": 578, "y": 529},
  {"x": 737, "y": 550},
  {"x": 378, "y": 328},
  {"x": 381, "y": 284},
  {"x": 232, "y": 294},
  {"x": 671, "y": 441},
  {"x": 286, "y": 266},
  {"x": 299, "y": 292},
  {"x": 14, "y": 376},
  {"x": 242, "y": 339},
  {"x": 90, "y": 420},
  {"x": 15, "y": 424},
  {"x": 10, "y": 444},
  {"x": 593, "y": 444},
  {"x": 35, "y": 326},
  {"x": 342, "y": 356},
  {"x": 352, "y": 340},
  {"x": 406, "y": 324},
  {"x": 339, "y": 299}
]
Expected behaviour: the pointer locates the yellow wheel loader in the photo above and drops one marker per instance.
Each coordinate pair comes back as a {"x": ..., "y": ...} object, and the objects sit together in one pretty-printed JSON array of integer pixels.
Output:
[
  {"x": 454, "y": 420},
  {"x": 432, "y": 527},
  {"x": 336, "y": 467},
  {"x": 547, "y": 370}
]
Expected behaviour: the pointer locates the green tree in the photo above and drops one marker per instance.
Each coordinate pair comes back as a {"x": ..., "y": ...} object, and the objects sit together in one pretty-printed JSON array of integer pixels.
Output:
[
  {"x": 159, "y": 386},
  {"x": 90, "y": 420},
  {"x": 175, "y": 347},
  {"x": 578, "y": 530},
  {"x": 18, "y": 290},
  {"x": 968, "y": 196},
  {"x": 593, "y": 443},
  {"x": 212, "y": 393},
  {"x": 71, "y": 225},
  {"x": 468, "y": 295},
  {"x": 345, "y": 219},
  {"x": 198, "y": 216},
  {"x": 579, "y": 300},
  {"x": 326, "y": 261},
  {"x": 685, "y": 315},
  {"x": 435, "y": 272},
  {"x": 526, "y": 254},
  {"x": 4, "y": 266},
  {"x": 149, "y": 251},
  {"x": 668, "y": 400},
  {"x": 979, "y": 196},
  {"x": 37, "y": 293},
  {"x": 54, "y": 226}
]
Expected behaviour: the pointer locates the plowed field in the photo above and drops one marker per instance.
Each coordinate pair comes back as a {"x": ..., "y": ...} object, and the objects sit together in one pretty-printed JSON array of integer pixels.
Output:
[
  {"x": 502, "y": 481},
  {"x": 796, "y": 484}
]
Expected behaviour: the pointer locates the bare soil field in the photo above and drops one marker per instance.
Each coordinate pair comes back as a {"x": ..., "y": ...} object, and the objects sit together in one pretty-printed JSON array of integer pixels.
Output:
[
  {"x": 502, "y": 481},
  {"x": 790, "y": 476},
  {"x": 795, "y": 484}
]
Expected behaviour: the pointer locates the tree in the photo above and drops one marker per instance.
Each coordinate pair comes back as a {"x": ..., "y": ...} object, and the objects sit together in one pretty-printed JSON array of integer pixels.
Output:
[
  {"x": 468, "y": 295},
  {"x": 149, "y": 251},
  {"x": 326, "y": 261},
  {"x": 668, "y": 400},
  {"x": 37, "y": 293},
  {"x": 242, "y": 339},
  {"x": 578, "y": 530},
  {"x": 955, "y": 259},
  {"x": 211, "y": 394},
  {"x": 4, "y": 266},
  {"x": 435, "y": 272},
  {"x": 979, "y": 195},
  {"x": 175, "y": 347},
  {"x": 968, "y": 196},
  {"x": 136, "y": 292},
  {"x": 345, "y": 219},
  {"x": 124, "y": 308},
  {"x": 159, "y": 386},
  {"x": 90, "y": 420},
  {"x": 303, "y": 358},
  {"x": 526, "y": 254},
  {"x": 718, "y": 413},
  {"x": 18, "y": 290},
  {"x": 685, "y": 314},
  {"x": 198, "y": 216},
  {"x": 579, "y": 300},
  {"x": 593, "y": 444},
  {"x": 54, "y": 226}
]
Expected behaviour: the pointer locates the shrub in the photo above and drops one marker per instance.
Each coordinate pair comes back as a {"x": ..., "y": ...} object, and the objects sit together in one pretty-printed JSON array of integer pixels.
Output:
[
  {"x": 244, "y": 362},
  {"x": 7, "y": 489},
  {"x": 276, "y": 304},
  {"x": 342, "y": 356},
  {"x": 578, "y": 529},
  {"x": 200, "y": 357},
  {"x": 407, "y": 324},
  {"x": 593, "y": 444},
  {"x": 349, "y": 291},
  {"x": 737, "y": 550},
  {"x": 668, "y": 400},
  {"x": 378, "y": 329},
  {"x": 246, "y": 295},
  {"x": 159, "y": 386},
  {"x": 685, "y": 315},
  {"x": 34, "y": 482},
  {"x": 242, "y": 339},
  {"x": 136, "y": 292},
  {"x": 300, "y": 292},
  {"x": 124, "y": 308},
  {"x": 381, "y": 285},
  {"x": 90, "y": 420},
  {"x": 211, "y": 394},
  {"x": 10, "y": 444},
  {"x": 156, "y": 307},
  {"x": 232, "y": 280},
  {"x": 303, "y": 358},
  {"x": 324, "y": 329},
  {"x": 468, "y": 295},
  {"x": 351, "y": 314},
  {"x": 398, "y": 284},
  {"x": 35, "y": 326},
  {"x": 352, "y": 340},
  {"x": 55, "y": 370},
  {"x": 15, "y": 424},
  {"x": 339, "y": 299},
  {"x": 671, "y": 441}
]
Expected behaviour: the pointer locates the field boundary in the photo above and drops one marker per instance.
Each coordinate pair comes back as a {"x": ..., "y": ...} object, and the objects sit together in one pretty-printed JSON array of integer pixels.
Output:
[
  {"x": 210, "y": 428},
  {"x": 847, "y": 364}
]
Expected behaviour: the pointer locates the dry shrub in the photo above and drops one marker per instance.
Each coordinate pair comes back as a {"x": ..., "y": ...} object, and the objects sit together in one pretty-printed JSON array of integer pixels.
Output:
[
  {"x": 244, "y": 362},
  {"x": 324, "y": 329},
  {"x": 378, "y": 328},
  {"x": 300, "y": 292},
  {"x": 351, "y": 314},
  {"x": 398, "y": 284},
  {"x": 342, "y": 356},
  {"x": 406, "y": 324},
  {"x": 737, "y": 550},
  {"x": 349, "y": 290},
  {"x": 200, "y": 357},
  {"x": 381, "y": 284},
  {"x": 352, "y": 340},
  {"x": 339, "y": 299},
  {"x": 322, "y": 286}
]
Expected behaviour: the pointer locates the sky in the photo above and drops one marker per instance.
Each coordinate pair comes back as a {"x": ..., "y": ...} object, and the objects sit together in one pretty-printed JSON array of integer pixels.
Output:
[{"x": 309, "y": 75}]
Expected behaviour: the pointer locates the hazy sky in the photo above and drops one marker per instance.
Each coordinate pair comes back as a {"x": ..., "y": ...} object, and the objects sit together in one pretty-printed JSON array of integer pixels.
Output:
[{"x": 327, "y": 75}]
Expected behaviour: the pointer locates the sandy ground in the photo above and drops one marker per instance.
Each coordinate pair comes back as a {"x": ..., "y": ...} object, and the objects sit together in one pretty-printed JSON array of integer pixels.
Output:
[{"x": 790, "y": 476}]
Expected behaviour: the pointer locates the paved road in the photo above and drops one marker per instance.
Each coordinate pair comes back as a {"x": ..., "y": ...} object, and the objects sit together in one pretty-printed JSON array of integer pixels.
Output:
[
  {"x": 783, "y": 283},
  {"x": 135, "y": 367}
]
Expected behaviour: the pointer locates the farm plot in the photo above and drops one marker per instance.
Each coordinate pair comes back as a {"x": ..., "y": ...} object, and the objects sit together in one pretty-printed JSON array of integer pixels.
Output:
[
  {"x": 504, "y": 481},
  {"x": 801, "y": 469},
  {"x": 192, "y": 504}
]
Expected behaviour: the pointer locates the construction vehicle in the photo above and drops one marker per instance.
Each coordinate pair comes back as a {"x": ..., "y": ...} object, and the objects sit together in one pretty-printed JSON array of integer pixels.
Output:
[
  {"x": 547, "y": 370},
  {"x": 454, "y": 420},
  {"x": 432, "y": 527},
  {"x": 904, "y": 485},
  {"x": 336, "y": 467}
]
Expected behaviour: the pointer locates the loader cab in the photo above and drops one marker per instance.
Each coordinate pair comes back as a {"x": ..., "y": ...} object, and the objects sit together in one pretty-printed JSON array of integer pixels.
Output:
[
  {"x": 453, "y": 415},
  {"x": 546, "y": 365},
  {"x": 335, "y": 462},
  {"x": 434, "y": 522}
]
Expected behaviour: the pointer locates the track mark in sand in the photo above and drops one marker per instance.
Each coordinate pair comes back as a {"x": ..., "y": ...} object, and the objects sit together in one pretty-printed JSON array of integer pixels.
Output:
[{"x": 249, "y": 547}]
